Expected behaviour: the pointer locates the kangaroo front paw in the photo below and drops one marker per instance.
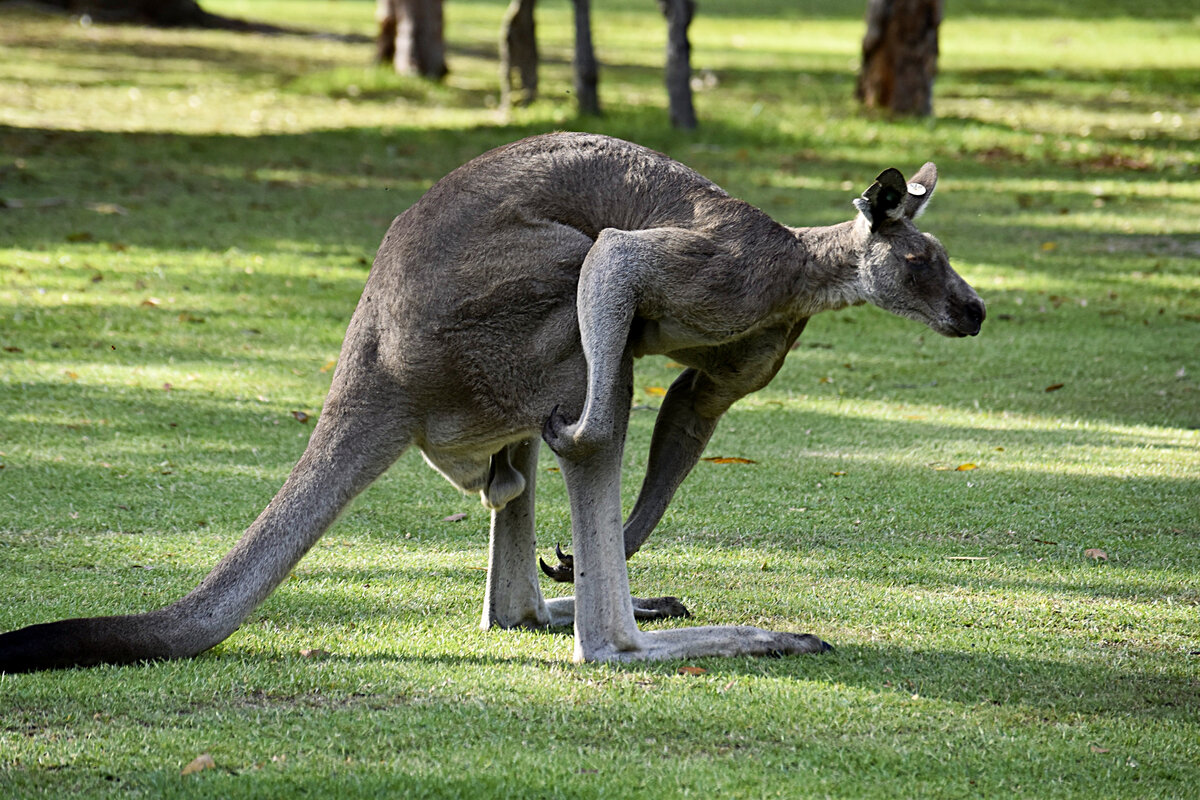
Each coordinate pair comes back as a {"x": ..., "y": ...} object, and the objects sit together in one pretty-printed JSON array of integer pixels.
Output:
[
  {"x": 558, "y": 433},
  {"x": 564, "y": 571},
  {"x": 572, "y": 441}
]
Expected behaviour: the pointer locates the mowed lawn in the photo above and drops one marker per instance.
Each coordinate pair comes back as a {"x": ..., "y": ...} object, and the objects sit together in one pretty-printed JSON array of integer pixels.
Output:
[{"x": 1000, "y": 535}]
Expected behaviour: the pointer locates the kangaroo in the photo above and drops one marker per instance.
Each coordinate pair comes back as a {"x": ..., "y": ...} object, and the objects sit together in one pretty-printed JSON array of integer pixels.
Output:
[{"x": 507, "y": 306}]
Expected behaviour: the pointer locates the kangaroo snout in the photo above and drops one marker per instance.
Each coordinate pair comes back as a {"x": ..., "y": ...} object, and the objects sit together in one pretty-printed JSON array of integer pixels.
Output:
[{"x": 971, "y": 316}]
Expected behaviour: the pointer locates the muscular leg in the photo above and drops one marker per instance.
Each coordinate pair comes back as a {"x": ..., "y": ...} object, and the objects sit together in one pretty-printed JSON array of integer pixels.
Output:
[
  {"x": 604, "y": 620},
  {"x": 512, "y": 597},
  {"x": 626, "y": 273},
  {"x": 606, "y": 303},
  {"x": 604, "y": 624}
]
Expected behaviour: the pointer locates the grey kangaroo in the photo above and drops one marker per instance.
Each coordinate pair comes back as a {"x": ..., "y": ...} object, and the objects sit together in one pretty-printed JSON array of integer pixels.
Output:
[{"x": 506, "y": 306}]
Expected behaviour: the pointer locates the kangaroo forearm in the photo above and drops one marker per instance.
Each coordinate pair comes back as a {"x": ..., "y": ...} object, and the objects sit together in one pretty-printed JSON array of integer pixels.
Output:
[{"x": 679, "y": 438}]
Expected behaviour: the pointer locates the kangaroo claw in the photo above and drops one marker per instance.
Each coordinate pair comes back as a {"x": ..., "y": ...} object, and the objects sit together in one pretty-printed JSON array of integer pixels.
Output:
[
  {"x": 564, "y": 571},
  {"x": 797, "y": 643},
  {"x": 659, "y": 608}
]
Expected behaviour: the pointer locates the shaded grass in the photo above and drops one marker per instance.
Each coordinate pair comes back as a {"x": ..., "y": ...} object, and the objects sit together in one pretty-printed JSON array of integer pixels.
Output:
[{"x": 153, "y": 360}]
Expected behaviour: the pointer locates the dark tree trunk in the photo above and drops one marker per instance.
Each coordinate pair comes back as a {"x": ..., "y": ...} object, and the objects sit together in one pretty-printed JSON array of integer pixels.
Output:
[
  {"x": 587, "y": 71},
  {"x": 411, "y": 36},
  {"x": 163, "y": 13},
  {"x": 385, "y": 42},
  {"x": 518, "y": 53},
  {"x": 899, "y": 59},
  {"x": 679, "y": 15}
]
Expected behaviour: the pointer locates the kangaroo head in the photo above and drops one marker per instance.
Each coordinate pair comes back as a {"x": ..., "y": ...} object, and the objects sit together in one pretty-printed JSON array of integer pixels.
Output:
[{"x": 903, "y": 270}]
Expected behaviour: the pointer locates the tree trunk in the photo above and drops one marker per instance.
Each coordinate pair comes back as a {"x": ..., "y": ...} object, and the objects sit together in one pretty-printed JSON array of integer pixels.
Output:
[
  {"x": 163, "y": 13},
  {"x": 899, "y": 56},
  {"x": 411, "y": 36},
  {"x": 518, "y": 53},
  {"x": 385, "y": 43},
  {"x": 587, "y": 71},
  {"x": 679, "y": 15}
]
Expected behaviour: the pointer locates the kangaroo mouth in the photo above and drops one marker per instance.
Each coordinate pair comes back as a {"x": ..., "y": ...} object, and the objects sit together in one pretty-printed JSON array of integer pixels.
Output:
[{"x": 958, "y": 328}]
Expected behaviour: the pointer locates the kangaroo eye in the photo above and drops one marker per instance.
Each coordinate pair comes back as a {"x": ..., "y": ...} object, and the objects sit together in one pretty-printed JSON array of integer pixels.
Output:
[{"x": 916, "y": 261}]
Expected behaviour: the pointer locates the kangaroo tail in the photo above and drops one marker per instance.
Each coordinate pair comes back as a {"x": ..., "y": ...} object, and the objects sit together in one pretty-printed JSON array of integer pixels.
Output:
[{"x": 349, "y": 448}]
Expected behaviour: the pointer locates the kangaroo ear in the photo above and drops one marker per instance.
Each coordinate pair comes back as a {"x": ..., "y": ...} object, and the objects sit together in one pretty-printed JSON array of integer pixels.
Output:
[
  {"x": 919, "y": 190},
  {"x": 884, "y": 200}
]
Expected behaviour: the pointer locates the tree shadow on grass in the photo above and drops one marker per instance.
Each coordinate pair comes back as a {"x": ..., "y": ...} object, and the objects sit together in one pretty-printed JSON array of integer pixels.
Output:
[
  {"x": 334, "y": 189},
  {"x": 1047, "y": 688}
]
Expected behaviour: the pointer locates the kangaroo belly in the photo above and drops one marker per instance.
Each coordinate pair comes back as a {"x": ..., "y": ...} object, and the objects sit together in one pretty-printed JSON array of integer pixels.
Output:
[{"x": 655, "y": 337}]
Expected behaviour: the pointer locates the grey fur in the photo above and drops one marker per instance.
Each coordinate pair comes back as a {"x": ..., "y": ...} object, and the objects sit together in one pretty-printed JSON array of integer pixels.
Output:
[{"x": 510, "y": 301}]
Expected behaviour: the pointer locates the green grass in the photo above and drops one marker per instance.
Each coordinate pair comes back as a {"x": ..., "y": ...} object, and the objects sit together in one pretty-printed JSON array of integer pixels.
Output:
[{"x": 190, "y": 218}]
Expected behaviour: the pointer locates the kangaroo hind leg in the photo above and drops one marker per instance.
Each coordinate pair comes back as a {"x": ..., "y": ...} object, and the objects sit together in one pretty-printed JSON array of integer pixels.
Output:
[
  {"x": 605, "y": 627},
  {"x": 512, "y": 597}
]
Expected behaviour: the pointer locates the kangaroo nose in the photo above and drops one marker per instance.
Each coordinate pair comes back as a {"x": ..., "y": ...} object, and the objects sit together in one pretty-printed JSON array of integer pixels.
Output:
[{"x": 976, "y": 312}]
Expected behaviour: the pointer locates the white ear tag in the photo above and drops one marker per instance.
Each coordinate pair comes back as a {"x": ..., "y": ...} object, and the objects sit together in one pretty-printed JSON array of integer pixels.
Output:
[{"x": 916, "y": 188}]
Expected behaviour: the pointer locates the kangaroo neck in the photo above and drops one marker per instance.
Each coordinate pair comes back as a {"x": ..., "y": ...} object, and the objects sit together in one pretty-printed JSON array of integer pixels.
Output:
[{"x": 827, "y": 271}]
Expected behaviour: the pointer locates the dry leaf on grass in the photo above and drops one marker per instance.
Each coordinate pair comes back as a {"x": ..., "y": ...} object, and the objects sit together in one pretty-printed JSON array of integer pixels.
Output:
[
  {"x": 655, "y": 391},
  {"x": 300, "y": 417},
  {"x": 693, "y": 671},
  {"x": 107, "y": 208},
  {"x": 454, "y": 517},
  {"x": 1096, "y": 554},
  {"x": 201, "y": 762},
  {"x": 728, "y": 460}
]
